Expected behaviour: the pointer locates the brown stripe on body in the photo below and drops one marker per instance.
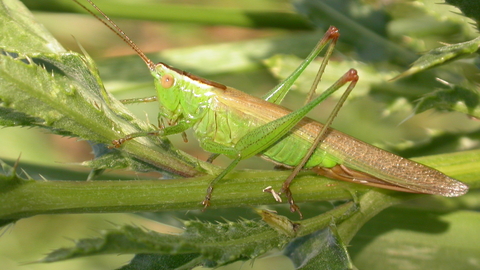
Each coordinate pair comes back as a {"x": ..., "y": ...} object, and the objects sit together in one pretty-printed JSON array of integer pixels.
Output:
[{"x": 195, "y": 77}]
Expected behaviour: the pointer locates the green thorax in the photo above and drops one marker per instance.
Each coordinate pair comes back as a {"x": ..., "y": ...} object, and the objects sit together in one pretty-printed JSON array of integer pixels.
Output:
[{"x": 183, "y": 96}]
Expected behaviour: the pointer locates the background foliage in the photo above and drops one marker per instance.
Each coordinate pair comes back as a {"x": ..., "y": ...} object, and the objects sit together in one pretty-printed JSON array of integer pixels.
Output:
[{"x": 379, "y": 39}]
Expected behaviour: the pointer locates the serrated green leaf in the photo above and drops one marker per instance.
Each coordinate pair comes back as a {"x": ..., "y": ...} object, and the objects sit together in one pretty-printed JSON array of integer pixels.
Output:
[
  {"x": 469, "y": 8},
  {"x": 62, "y": 92},
  {"x": 216, "y": 244},
  {"x": 21, "y": 32},
  {"x": 10, "y": 118},
  {"x": 441, "y": 56},
  {"x": 204, "y": 243},
  {"x": 452, "y": 97},
  {"x": 320, "y": 250},
  {"x": 50, "y": 95}
]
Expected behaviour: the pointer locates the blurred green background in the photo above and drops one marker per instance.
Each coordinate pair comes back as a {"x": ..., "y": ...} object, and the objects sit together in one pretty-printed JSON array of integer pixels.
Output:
[{"x": 368, "y": 117}]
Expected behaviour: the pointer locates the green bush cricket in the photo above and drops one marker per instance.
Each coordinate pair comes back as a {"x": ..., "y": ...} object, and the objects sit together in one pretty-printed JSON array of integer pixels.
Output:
[{"x": 229, "y": 122}]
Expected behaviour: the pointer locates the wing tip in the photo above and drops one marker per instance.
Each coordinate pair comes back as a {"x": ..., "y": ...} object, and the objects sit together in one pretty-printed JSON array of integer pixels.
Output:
[{"x": 455, "y": 190}]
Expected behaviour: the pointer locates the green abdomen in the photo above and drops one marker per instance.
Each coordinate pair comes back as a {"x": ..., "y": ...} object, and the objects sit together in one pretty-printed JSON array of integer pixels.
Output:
[{"x": 291, "y": 150}]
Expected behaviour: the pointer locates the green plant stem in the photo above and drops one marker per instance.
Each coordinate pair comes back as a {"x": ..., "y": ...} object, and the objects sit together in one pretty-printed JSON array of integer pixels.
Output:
[
  {"x": 24, "y": 198},
  {"x": 242, "y": 188},
  {"x": 196, "y": 14}
]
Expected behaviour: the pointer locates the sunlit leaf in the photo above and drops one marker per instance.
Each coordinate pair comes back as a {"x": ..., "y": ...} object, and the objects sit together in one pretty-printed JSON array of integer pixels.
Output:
[{"x": 441, "y": 56}]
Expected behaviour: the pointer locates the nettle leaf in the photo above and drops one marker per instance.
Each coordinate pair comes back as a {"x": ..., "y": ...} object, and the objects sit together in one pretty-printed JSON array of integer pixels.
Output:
[
  {"x": 60, "y": 92},
  {"x": 469, "y": 8},
  {"x": 44, "y": 86},
  {"x": 11, "y": 118},
  {"x": 21, "y": 32},
  {"x": 453, "y": 97},
  {"x": 204, "y": 243},
  {"x": 441, "y": 56}
]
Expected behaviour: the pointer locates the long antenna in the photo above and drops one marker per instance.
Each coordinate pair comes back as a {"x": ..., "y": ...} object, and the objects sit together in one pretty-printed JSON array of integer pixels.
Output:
[{"x": 118, "y": 31}]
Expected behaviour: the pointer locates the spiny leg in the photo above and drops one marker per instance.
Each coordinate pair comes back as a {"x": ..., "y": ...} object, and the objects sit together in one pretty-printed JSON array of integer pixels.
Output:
[
  {"x": 352, "y": 77},
  {"x": 277, "y": 94}
]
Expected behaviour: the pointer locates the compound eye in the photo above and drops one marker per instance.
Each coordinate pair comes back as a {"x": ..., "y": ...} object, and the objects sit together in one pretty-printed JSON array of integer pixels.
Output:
[{"x": 167, "y": 81}]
